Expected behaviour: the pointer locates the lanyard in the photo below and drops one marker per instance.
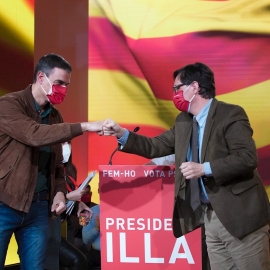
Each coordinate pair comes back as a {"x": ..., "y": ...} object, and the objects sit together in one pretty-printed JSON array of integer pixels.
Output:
[{"x": 72, "y": 180}]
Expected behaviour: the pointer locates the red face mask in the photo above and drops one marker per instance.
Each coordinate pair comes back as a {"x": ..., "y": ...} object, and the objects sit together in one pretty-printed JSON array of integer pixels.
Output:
[
  {"x": 179, "y": 101},
  {"x": 86, "y": 198},
  {"x": 58, "y": 94}
]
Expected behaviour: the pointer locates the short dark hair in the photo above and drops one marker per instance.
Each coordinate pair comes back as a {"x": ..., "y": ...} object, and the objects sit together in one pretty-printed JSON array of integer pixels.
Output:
[
  {"x": 200, "y": 73},
  {"x": 50, "y": 61}
]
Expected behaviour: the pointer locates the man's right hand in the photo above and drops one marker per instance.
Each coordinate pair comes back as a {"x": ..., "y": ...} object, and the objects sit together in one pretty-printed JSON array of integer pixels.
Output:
[
  {"x": 111, "y": 128},
  {"x": 75, "y": 195},
  {"x": 93, "y": 127}
]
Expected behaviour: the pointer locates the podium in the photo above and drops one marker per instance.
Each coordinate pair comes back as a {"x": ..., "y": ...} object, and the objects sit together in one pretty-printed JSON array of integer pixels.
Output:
[{"x": 136, "y": 206}]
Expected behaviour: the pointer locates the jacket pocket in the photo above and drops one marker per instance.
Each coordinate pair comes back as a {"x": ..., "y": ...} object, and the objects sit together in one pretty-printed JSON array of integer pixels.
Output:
[
  {"x": 243, "y": 186},
  {"x": 7, "y": 163}
]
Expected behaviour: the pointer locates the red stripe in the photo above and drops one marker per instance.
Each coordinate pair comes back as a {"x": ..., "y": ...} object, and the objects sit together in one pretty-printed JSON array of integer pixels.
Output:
[
  {"x": 17, "y": 68},
  {"x": 30, "y": 3},
  {"x": 238, "y": 59},
  {"x": 108, "y": 48}
]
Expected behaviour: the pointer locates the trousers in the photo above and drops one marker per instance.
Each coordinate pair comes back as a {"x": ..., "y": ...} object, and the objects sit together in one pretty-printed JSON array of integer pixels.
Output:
[
  {"x": 227, "y": 252},
  {"x": 30, "y": 231}
]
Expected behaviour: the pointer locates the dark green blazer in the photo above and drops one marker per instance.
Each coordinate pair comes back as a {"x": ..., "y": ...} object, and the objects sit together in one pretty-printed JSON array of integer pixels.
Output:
[{"x": 235, "y": 189}]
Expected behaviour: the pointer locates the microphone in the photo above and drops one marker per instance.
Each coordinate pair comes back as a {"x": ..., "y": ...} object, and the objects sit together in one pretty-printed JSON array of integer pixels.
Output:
[
  {"x": 119, "y": 145},
  {"x": 136, "y": 129}
]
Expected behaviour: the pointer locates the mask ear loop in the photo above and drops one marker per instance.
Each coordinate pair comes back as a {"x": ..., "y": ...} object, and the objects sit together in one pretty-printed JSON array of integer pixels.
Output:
[
  {"x": 43, "y": 90},
  {"x": 192, "y": 98},
  {"x": 50, "y": 91},
  {"x": 193, "y": 95},
  {"x": 186, "y": 90},
  {"x": 191, "y": 101}
]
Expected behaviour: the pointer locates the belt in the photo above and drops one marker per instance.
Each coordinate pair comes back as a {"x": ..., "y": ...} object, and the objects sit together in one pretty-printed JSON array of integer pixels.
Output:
[
  {"x": 209, "y": 206},
  {"x": 40, "y": 196}
]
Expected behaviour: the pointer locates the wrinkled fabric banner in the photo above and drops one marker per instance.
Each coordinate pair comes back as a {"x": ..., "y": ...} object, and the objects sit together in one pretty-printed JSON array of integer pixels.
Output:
[{"x": 134, "y": 47}]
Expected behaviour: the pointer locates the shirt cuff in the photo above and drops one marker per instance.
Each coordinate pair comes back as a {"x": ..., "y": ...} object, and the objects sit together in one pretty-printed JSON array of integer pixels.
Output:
[
  {"x": 124, "y": 138},
  {"x": 207, "y": 169}
]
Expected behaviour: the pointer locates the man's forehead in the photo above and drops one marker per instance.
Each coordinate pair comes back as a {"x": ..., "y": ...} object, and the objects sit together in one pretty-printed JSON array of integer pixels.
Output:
[
  {"x": 59, "y": 72},
  {"x": 60, "y": 76},
  {"x": 177, "y": 79}
]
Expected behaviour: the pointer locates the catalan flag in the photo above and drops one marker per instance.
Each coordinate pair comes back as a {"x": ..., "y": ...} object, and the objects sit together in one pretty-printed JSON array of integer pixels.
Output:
[{"x": 135, "y": 45}]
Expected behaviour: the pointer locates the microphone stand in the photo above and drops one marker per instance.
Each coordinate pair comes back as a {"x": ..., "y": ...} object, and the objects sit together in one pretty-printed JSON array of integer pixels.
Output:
[{"x": 119, "y": 145}]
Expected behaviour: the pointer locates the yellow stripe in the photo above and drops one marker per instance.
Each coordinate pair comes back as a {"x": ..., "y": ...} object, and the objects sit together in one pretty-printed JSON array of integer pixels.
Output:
[
  {"x": 94, "y": 189},
  {"x": 255, "y": 100},
  {"x": 126, "y": 99},
  {"x": 2, "y": 92},
  {"x": 152, "y": 18},
  {"x": 268, "y": 191},
  {"x": 129, "y": 100},
  {"x": 102, "y": 9},
  {"x": 19, "y": 24}
]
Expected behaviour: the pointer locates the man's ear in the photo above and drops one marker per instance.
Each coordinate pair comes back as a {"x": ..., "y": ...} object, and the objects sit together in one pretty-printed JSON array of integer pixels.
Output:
[
  {"x": 196, "y": 87},
  {"x": 40, "y": 77}
]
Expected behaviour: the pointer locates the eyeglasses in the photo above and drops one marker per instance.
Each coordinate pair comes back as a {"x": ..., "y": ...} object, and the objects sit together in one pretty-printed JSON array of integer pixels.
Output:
[{"x": 176, "y": 88}]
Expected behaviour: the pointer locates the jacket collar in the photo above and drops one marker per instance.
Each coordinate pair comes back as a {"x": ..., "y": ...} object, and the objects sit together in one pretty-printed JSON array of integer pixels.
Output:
[
  {"x": 29, "y": 99},
  {"x": 31, "y": 103}
]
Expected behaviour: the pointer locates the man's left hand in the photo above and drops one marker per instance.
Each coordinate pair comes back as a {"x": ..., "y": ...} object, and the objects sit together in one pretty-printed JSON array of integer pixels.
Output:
[
  {"x": 59, "y": 203},
  {"x": 192, "y": 170}
]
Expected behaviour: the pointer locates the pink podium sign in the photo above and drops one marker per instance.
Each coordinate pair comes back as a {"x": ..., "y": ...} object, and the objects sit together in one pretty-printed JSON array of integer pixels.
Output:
[{"x": 136, "y": 206}]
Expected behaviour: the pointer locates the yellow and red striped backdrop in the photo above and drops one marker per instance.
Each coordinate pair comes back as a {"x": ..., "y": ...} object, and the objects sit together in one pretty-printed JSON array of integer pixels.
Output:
[{"x": 134, "y": 47}]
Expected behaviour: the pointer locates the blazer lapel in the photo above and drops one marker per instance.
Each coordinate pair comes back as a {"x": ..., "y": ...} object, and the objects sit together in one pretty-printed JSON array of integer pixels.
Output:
[
  {"x": 183, "y": 135},
  {"x": 208, "y": 127},
  {"x": 186, "y": 140}
]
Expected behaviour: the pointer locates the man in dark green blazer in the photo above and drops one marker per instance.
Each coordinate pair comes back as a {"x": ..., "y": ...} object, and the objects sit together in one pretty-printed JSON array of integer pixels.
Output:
[{"x": 233, "y": 203}]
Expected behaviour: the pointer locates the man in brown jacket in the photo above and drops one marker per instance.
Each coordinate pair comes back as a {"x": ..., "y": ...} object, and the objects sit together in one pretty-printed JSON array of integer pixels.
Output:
[
  {"x": 232, "y": 202},
  {"x": 31, "y": 168}
]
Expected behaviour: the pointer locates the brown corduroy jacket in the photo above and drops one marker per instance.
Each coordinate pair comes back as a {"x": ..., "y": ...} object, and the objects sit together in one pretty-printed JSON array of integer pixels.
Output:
[{"x": 21, "y": 135}]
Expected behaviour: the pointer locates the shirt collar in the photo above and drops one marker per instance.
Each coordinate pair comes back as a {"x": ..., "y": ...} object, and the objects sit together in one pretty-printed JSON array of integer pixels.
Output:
[
  {"x": 47, "y": 109},
  {"x": 201, "y": 117}
]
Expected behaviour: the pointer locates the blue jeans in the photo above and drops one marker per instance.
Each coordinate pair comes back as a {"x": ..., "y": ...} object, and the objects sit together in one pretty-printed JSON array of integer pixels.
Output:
[{"x": 30, "y": 231}]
